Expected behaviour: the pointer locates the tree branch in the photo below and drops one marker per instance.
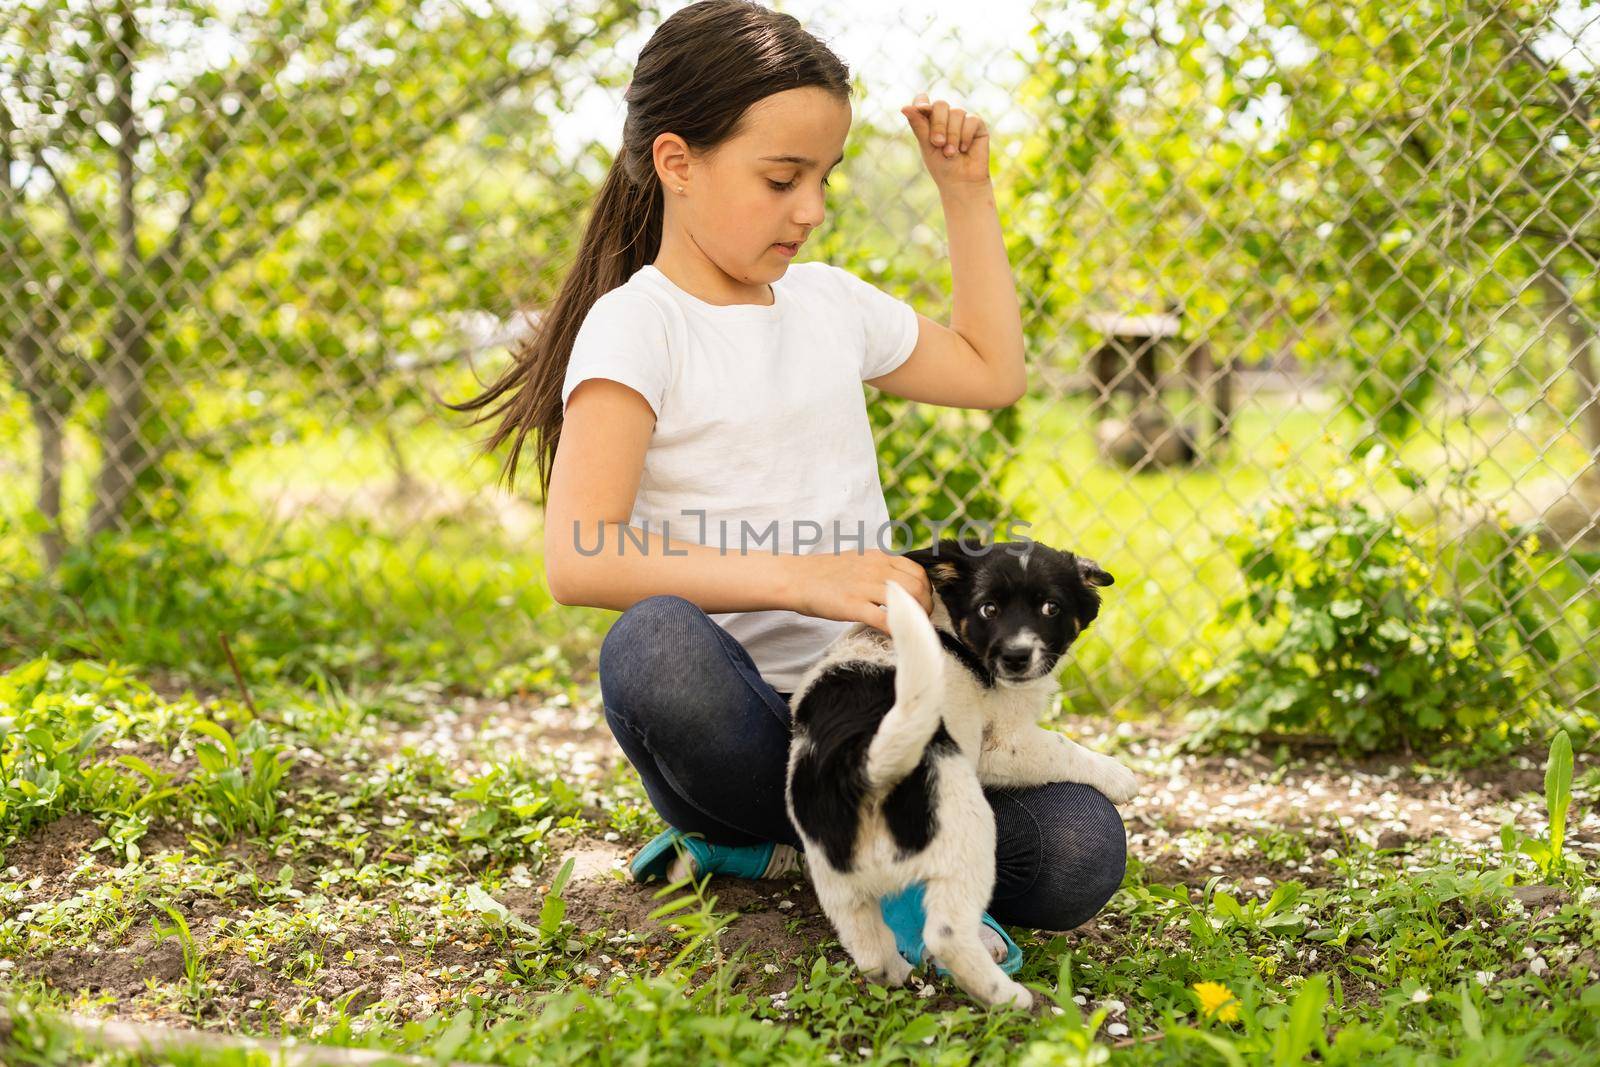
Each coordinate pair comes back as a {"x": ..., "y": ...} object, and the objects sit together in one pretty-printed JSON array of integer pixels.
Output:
[
  {"x": 326, "y": 189},
  {"x": 74, "y": 219},
  {"x": 223, "y": 132}
]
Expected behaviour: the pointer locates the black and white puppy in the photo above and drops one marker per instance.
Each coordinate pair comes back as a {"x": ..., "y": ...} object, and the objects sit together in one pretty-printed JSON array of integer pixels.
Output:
[{"x": 895, "y": 739}]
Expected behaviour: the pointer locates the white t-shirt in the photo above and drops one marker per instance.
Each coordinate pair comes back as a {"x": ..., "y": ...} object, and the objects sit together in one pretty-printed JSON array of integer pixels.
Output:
[{"x": 760, "y": 423}]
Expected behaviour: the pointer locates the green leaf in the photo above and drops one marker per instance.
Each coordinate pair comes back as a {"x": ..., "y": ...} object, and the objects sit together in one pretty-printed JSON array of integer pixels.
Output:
[
  {"x": 1394, "y": 630},
  {"x": 221, "y": 736},
  {"x": 554, "y": 908},
  {"x": 1305, "y": 1023},
  {"x": 1470, "y": 1024},
  {"x": 492, "y": 912},
  {"x": 1558, "y": 791},
  {"x": 134, "y": 763},
  {"x": 1218, "y": 1044},
  {"x": 562, "y": 876},
  {"x": 210, "y": 758},
  {"x": 919, "y": 1029}
]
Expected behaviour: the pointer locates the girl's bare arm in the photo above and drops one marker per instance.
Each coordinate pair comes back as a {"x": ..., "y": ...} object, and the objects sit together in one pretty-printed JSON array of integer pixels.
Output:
[{"x": 594, "y": 480}]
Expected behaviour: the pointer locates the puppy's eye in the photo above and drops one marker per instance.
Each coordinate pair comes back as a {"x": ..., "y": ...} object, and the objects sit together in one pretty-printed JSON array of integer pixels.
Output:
[
  {"x": 1049, "y": 607},
  {"x": 987, "y": 610}
]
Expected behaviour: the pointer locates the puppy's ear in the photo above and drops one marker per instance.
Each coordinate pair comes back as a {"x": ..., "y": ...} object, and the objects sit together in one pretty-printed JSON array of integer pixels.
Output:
[
  {"x": 1093, "y": 574},
  {"x": 947, "y": 561}
]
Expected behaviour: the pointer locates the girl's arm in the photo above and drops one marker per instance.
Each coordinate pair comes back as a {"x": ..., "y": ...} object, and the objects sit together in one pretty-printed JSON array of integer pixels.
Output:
[
  {"x": 594, "y": 479},
  {"x": 978, "y": 360}
]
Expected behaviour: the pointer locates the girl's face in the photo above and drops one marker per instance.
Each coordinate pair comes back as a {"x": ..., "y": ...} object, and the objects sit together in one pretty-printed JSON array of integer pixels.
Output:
[{"x": 758, "y": 189}]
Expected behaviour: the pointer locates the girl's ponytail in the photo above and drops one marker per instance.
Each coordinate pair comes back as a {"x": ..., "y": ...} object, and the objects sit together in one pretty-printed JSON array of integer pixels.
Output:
[
  {"x": 622, "y": 235},
  {"x": 696, "y": 77}
]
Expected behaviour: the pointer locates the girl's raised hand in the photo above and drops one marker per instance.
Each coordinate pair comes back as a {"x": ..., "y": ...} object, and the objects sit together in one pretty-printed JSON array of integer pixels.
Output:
[{"x": 955, "y": 145}]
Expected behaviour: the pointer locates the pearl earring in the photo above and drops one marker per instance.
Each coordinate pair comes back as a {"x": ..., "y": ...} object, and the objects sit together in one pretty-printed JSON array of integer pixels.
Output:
[{"x": 680, "y": 188}]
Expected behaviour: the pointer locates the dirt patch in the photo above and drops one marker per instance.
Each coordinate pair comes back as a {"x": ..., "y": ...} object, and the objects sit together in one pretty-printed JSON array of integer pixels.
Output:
[
  {"x": 472, "y": 732},
  {"x": 1241, "y": 816},
  {"x": 54, "y": 850},
  {"x": 120, "y": 972},
  {"x": 1201, "y": 815},
  {"x": 777, "y": 919},
  {"x": 172, "y": 686}
]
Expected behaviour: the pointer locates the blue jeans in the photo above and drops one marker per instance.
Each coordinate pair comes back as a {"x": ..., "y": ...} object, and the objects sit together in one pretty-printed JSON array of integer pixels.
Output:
[{"x": 710, "y": 739}]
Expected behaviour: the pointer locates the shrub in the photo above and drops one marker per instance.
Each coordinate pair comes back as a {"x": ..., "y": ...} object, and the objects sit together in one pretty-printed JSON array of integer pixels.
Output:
[{"x": 1345, "y": 634}]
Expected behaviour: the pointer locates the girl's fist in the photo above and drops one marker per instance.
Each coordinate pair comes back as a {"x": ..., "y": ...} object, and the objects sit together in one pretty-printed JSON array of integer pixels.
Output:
[{"x": 955, "y": 145}]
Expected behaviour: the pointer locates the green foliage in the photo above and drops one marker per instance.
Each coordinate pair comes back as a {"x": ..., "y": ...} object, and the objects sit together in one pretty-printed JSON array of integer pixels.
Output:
[
  {"x": 1557, "y": 799},
  {"x": 325, "y": 217},
  {"x": 195, "y": 972},
  {"x": 1371, "y": 957},
  {"x": 1274, "y": 916},
  {"x": 162, "y": 595},
  {"x": 1388, "y": 189},
  {"x": 513, "y": 808},
  {"x": 1554, "y": 597},
  {"x": 1346, "y": 635},
  {"x": 334, "y": 603},
  {"x": 238, "y": 783},
  {"x": 552, "y": 913},
  {"x": 943, "y": 466},
  {"x": 55, "y": 723},
  {"x": 1558, "y": 795}
]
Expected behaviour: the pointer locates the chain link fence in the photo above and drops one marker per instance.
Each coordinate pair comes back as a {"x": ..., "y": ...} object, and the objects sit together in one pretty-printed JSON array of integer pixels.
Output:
[{"x": 246, "y": 250}]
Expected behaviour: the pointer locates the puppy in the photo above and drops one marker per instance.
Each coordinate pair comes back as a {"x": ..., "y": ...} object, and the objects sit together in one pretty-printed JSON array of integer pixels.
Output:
[
  {"x": 1008, "y": 612},
  {"x": 894, "y": 742}
]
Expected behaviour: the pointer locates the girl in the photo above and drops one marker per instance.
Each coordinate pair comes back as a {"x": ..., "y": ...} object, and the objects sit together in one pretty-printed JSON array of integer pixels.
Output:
[{"x": 704, "y": 449}]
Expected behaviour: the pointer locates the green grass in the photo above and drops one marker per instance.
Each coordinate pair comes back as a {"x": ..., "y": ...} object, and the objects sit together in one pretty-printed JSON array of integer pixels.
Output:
[{"x": 409, "y": 900}]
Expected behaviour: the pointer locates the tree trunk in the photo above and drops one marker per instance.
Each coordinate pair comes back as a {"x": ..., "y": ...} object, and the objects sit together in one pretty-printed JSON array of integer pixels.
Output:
[
  {"x": 124, "y": 452},
  {"x": 49, "y": 422}
]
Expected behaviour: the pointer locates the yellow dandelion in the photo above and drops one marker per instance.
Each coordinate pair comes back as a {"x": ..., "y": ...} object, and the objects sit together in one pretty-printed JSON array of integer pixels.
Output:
[{"x": 1217, "y": 999}]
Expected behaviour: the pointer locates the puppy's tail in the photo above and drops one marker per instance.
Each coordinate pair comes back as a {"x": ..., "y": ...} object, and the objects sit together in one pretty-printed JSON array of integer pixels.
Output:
[{"x": 905, "y": 731}]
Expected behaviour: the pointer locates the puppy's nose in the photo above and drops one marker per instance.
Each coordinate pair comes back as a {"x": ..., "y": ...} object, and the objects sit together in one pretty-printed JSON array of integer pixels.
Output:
[{"x": 1016, "y": 660}]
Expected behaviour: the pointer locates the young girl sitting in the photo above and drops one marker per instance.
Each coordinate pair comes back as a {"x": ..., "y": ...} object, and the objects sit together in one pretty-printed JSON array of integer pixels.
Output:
[{"x": 707, "y": 462}]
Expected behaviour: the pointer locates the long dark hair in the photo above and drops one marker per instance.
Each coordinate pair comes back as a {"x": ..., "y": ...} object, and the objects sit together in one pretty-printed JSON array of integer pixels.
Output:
[{"x": 696, "y": 77}]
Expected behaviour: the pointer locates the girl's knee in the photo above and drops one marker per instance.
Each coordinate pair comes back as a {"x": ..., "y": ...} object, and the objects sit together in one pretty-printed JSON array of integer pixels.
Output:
[
  {"x": 1081, "y": 857},
  {"x": 642, "y": 635},
  {"x": 663, "y": 668},
  {"x": 650, "y": 617}
]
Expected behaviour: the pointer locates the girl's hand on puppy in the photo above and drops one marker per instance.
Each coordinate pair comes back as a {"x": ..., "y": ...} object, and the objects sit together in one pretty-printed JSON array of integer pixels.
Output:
[{"x": 848, "y": 586}]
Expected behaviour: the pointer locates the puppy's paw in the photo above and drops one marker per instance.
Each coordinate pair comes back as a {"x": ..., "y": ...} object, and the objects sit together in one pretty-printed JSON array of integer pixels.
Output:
[
  {"x": 1016, "y": 995},
  {"x": 897, "y": 971},
  {"x": 1119, "y": 784},
  {"x": 891, "y": 971}
]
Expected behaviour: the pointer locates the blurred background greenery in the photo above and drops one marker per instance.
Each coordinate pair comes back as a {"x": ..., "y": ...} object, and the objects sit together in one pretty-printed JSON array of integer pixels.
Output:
[{"x": 1263, "y": 251}]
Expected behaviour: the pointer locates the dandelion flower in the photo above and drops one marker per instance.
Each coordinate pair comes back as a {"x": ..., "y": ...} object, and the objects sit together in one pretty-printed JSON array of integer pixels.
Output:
[{"x": 1217, "y": 999}]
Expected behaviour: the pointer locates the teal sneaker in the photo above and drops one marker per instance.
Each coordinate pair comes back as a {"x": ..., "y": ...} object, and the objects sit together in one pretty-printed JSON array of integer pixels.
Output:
[
  {"x": 904, "y": 913},
  {"x": 766, "y": 860}
]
